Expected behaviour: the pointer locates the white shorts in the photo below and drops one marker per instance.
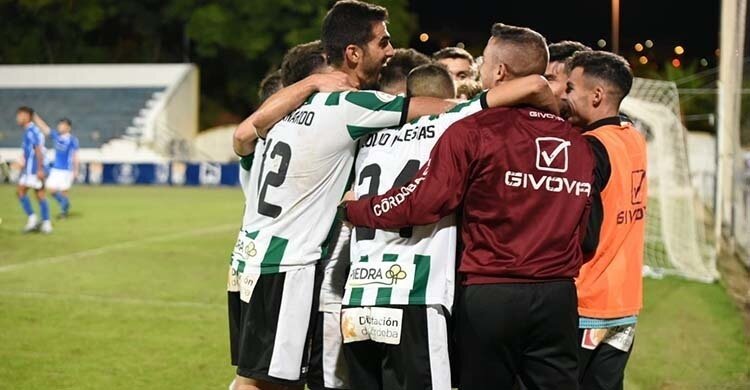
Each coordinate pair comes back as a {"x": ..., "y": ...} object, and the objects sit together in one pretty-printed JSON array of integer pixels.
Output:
[
  {"x": 269, "y": 334},
  {"x": 30, "y": 181},
  {"x": 336, "y": 270},
  {"x": 59, "y": 179},
  {"x": 328, "y": 368}
]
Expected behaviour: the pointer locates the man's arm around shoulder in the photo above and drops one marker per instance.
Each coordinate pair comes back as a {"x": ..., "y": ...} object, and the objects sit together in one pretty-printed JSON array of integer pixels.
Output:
[{"x": 282, "y": 103}]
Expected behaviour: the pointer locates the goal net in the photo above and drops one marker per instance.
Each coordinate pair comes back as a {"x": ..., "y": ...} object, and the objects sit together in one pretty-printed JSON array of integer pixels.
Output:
[{"x": 676, "y": 241}]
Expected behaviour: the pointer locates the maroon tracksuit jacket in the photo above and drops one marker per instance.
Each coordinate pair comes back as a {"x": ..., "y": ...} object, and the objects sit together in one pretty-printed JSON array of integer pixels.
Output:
[{"x": 524, "y": 180}]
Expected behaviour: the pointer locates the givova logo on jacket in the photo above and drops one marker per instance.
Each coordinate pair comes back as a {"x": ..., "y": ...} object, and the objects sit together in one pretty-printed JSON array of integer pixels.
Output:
[{"x": 551, "y": 156}]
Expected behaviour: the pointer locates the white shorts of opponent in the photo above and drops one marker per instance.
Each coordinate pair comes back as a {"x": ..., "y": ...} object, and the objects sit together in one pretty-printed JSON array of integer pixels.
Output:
[
  {"x": 30, "y": 180},
  {"x": 59, "y": 180}
]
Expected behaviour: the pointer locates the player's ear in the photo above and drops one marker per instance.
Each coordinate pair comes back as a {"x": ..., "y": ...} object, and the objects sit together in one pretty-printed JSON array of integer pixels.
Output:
[
  {"x": 353, "y": 54},
  {"x": 502, "y": 72},
  {"x": 597, "y": 95}
]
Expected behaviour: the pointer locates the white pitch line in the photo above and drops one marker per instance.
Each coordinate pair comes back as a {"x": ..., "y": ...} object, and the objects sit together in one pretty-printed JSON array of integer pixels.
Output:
[
  {"x": 115, "y": 247},
  {"x": 105, "y": 299}
]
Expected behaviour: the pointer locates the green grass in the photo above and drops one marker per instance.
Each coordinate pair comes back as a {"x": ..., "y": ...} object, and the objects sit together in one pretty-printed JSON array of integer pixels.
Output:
[
  {"x": 138, "y": 314},
  {"x": 689, "y": 336},
  {"x": 129, "y": 294}
]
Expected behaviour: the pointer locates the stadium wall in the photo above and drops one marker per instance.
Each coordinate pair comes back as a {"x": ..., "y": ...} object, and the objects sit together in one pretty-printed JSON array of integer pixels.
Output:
[
  {"x": 176, "y": 116},
  {"x": 168, "y": 116},
  {"x": 174, "y": 173}
]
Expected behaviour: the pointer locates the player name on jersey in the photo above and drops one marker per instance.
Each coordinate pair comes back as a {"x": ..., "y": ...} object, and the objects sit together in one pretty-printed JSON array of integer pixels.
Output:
[
  {"x": 390, "y": 138},
  {"x": 416, "y": 265},
  {"x": 300, "y": 117}
]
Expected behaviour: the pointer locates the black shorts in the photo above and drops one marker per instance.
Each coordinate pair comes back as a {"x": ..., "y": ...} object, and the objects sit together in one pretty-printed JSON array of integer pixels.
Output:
[
  {"x": 419, "y": 361},
  {"x": 526, "y": 331},
  {"x": 328, "y": 370},
  {"x": 269, "y": 336},
  {"x": 602, "y": 368}
]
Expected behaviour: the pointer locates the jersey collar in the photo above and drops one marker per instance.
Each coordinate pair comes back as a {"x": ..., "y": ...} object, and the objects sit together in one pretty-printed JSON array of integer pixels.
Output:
[{"x": 609, "y": 121}]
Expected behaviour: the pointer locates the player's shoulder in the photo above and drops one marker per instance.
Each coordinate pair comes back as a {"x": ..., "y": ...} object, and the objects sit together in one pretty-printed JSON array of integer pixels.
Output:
[
  {"x": 499, "y": 112},
  {"x": 368, "y": 94},
  {"x": 519, "y": 113},
  {"x": 33, "y": 129},
  {"x": 35, "y": 132},
  {"x": 373, "y": 100},
  {"x": 323, "y": 100},
  {"x": 477, "y": 102},
  {"x": 488, "y": 120},
  {"x": 488, "y": 117},
  {"x": 365, "y": 99},
  {"x": 419, "y": 121}
]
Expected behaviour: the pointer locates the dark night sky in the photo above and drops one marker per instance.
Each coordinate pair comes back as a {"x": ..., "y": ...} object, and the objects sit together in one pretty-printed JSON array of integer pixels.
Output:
[{"x": 692, "y": 24}]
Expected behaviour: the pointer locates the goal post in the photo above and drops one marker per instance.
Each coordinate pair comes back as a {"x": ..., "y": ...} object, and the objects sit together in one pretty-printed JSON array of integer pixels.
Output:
[{"x": 676, "y": 242}]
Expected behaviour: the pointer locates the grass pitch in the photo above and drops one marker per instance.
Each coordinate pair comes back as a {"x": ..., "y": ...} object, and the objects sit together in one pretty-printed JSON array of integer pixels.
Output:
[{"x": 129, "y": 293}]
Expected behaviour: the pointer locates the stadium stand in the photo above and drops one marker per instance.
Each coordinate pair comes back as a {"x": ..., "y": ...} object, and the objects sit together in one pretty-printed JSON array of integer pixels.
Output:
[
  {"x": 102, "y": 114},
  {"x": 122, "y": 112}
]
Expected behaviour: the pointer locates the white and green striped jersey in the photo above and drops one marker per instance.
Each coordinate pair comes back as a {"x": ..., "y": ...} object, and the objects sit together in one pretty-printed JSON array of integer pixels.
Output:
[
  {"x": 335, "y": 264},
  {"x": 416, "y": 265},
  {"x": 302, "y": 175},
  {"x": 249, "y": 175}
]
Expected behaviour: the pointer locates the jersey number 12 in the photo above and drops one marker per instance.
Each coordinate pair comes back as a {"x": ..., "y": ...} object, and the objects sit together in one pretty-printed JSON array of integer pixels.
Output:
[{"x": 273, "y": 179}]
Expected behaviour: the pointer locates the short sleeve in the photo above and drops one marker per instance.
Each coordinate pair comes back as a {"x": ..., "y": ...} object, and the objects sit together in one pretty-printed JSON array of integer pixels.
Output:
[
  {"x": 246, "y": 162},
  {"x": 369, "y": 111},
  {"x": 460, "y": 111}
]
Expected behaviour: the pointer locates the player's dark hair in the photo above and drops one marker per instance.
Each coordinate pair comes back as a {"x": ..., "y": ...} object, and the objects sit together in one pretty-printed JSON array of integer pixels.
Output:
[
  {"x": 399, "y": 66},
  {"x": 349, "y": 22},
  {"x": 561, "y": 51},
  {"x": 26, "y": 109},
  {"x": 66, "y": 121},
  {"x": 608, "y": 67},
  {"x": 532, "y": 45},
  {"x": 302, "y": 61},
  {"x": 432, "y": 80},
  {"x": 453, "y": 52},
  {"x": 269, "y": 86}
]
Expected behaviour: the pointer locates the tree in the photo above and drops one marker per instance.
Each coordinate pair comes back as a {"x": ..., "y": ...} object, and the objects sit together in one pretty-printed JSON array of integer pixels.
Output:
[{"x": 235, "y": 43}]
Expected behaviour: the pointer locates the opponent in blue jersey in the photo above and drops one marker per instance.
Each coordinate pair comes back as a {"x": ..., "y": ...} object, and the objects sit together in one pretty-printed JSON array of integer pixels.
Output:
[
  {"x": 32, "y": 175},
  {"x": 65, "y": 167}
]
